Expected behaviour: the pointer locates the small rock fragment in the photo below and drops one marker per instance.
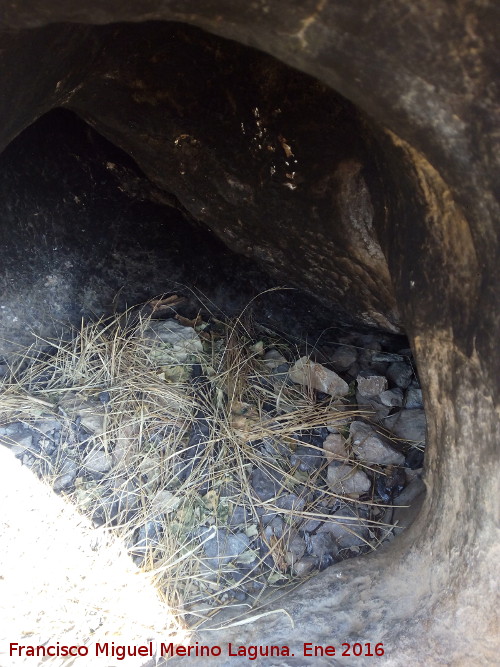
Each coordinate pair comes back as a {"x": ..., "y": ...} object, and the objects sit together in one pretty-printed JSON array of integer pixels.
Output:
[
  {"x": 272, "y": 446},
  {"x": 314, "y": 375},
  {"x": 310, "y": 525},
  {"x": 224, "y": 547},
  {"x": 21, "y": 443},
  {"x": 98, "y": 461},
  {"x": 148, "y": 538},
  {"x": 400, "y": 374},
  {"x": 104, "y": 397},
  {"x": 290, "y": 502},
  {"x": 266, "y": 482},
  {"x": 347, "y": 526},
  {"x": 93, "y": 423},
  {"x": 67, "y": 476},
  {"x": 322, "y": 544},
  {"x": 373, "y": 404},
  {"x": 238, "y": 515},
  {"x": 274, "y": 526},
  {"x": 124, "y": 491},
  {"x": 386, "y": 357},
  {"x": 370, "y": 384},
  {"x": 345, "y": 479},
  {"x": 306, "y": 458},
  {"x": 165, "y": 502},
  {"x": 88, "y": 413},
  {"x": 335, "y": 447},
  {"x": 390, "y": 483},
  {"x": 343, "y": 357},
  {"x": 295, "y": 549},
  {"x": 47, "y": 426},
  {"x": 392, "y": 397},
  {"x": 10, "y": 429},
  {"x": 273, "y": 358},
  {"x": 414, "y": 459},
  {"x": 413, "y": 398},
  {"x": 339, "y": 420},
  {"x": 304, "y": 566},
  {"x": 408, "y": 425},
  {"x": 371, "y": 447}
]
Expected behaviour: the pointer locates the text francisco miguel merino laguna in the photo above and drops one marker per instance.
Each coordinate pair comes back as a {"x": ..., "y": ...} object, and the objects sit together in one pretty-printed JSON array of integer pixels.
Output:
[{"x": 153, "y": 649}]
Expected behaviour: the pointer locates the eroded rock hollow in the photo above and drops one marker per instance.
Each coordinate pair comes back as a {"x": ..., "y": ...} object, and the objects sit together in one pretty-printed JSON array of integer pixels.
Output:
[{"x": 346, "y": 152}]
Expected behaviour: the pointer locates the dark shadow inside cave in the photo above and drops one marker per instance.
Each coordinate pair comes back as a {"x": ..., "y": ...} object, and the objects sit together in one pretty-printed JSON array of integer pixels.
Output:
[{"x": 84, "y": 234}]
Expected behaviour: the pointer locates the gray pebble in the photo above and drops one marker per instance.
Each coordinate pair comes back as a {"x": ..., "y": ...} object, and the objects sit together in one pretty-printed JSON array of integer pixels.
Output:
[
  {"x": 224, "y": 547},
  {"x": 306, "y": 458},
  {"x": 408, "y": 425},
  {"x": 322, "y": 544},
  {"x": 392, "y": 397},
  {"x": 290, "y": 502},
  {"x": 295, "y": 549},
  {"x": 20, "y": 443},
  {"x": 370, "y": 384},
  {"x": 413, "y": 399},
  {"x": 345, "y": 479},
  {"x": 148, "y": 538},
  {"x": 310, "y": 525},
  {"x": 347, "y": 526},
  {"x": 98, "y": 461},
  {"x": 47, "y": 426},
  {"x": 104, "y": 397},
  {"x": 304, "y": 566},
  {"x": 67, "y": 476},
  {"x": 400, "y": 374},
  {"x": 238, "y": 515},
  {"x": 266, "y": 481},
  {"x": 371, "y": 447},
  {"x": 10, "y": 429},
  {"x": 274, "y": 528},
  {"x": 343, "y": 357},
  {"x": 272, "y": 447},
  {"x": 387, "y": 357}
]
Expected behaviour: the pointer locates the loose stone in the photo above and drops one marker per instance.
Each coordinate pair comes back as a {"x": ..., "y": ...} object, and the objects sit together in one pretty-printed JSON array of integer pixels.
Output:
[
  {"x": 400, "y": 374},
  {"x": 68, "y": 474},
  {"x": 335, "y": 447},
  {"x": 316, "y": 376},
  {"x": 408, "y": 425},
  {"x": 345, "y": 479},
  {"x": 371, "y": 385},
  {"x": 392, "y": 397},
  {"x": 371, "y": 447}
]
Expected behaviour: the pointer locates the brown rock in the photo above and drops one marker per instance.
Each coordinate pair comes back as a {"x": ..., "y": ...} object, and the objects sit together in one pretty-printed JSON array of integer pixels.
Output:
[{"x": 314, "y": 375}]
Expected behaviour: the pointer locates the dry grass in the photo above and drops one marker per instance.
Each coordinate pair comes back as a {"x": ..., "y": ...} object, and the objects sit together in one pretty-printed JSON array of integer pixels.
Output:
[{"x": 138, "y": 408}]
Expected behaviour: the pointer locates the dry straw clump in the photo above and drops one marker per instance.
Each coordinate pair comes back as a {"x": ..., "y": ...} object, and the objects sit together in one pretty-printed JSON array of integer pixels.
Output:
[{"x": 171, "y": 432}]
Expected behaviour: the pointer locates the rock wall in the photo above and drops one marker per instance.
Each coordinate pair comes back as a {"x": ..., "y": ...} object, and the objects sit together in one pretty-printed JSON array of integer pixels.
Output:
[{"x": 408, "y": 165}]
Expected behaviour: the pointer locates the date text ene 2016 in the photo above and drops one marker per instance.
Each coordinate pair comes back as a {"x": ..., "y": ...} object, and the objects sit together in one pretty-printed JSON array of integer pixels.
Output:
[{"x": 357, "y": 649}]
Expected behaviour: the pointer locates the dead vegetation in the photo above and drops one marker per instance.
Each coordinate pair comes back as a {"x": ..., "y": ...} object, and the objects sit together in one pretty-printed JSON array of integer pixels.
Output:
[{"x": 160, "y": 441}]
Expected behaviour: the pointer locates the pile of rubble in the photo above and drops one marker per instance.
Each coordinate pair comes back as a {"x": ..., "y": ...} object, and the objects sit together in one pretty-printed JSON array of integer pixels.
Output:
[{"x": 227, "y": 459}]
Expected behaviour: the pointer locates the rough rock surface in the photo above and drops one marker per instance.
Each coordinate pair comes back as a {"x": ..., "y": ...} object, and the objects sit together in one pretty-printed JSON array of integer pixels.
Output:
[
  {"x": 371, "y": 447},
  {"x": 335, "y": 447},
  {"x": 427, "y": 80},
  {"x": 307, "y": 372},
  {"x": 370, "y": 384},
  {"x": 408, "y": 425},
  {"x": 345, "y": 479}
]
